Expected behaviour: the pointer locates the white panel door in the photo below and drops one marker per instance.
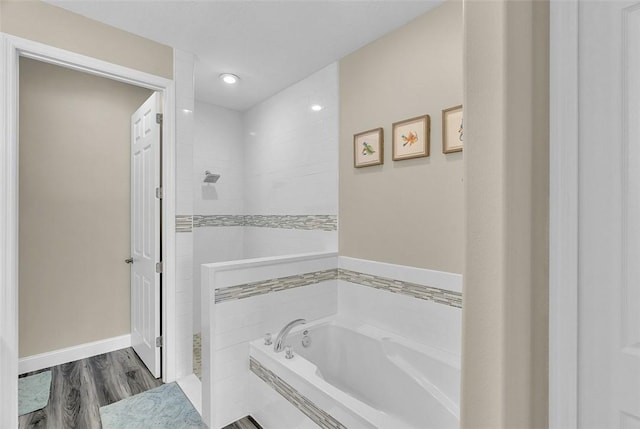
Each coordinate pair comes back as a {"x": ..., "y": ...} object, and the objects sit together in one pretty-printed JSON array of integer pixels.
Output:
[
  {"x": 145, "y": 233},
  {"x": 609, "y": 207}
]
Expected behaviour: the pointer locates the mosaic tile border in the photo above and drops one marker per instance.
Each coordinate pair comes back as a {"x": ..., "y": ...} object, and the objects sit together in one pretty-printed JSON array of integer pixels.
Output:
[
  {"x": 218, "y": 220},
  {"x": 441, "y": 296},
  {"x": 185, "y": 223},
  {"x": 414, "y": 290},
  {"x": 248, "y": 290},
  {"x": 297, "y": 399},
  {"x": 307, "y": 222},
  {"x": 197, "y": 355}
]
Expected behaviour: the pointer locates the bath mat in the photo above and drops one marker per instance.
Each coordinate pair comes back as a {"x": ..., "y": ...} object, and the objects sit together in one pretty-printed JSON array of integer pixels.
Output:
[
  {"x": 164, "y": 407},
  {"x": 33, "y": 392}
]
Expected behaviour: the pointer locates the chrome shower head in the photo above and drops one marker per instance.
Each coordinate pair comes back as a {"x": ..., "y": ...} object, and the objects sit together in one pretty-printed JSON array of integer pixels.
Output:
[{"x": 209, "y": 177}]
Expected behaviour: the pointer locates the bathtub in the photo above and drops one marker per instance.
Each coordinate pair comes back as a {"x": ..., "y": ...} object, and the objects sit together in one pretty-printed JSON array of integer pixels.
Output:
[{"x": 369, "y": 377}]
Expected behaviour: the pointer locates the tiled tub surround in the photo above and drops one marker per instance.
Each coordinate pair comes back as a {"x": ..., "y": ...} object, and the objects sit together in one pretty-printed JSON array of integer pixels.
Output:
[
  {"x": 362, "y": 377},
  {"x": 229, "y": 326},
  {"x": 431, "y": 322},
  {"x": 360, "y": 291},
  {"x": 297, "y": 399}
]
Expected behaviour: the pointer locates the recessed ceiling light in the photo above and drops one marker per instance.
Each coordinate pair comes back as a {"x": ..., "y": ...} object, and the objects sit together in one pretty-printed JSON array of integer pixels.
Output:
[
  {"x": 316, "y": 107},
  {"x": 229, "y": 78}
]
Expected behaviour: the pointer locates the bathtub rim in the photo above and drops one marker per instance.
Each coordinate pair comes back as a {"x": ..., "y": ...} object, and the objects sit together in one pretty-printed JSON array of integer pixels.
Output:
[{"x": 444, "y": 356}]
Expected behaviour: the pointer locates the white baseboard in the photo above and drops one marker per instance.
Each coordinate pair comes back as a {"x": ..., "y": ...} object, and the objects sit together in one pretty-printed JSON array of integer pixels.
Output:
[{"x": 70, "y": 354}]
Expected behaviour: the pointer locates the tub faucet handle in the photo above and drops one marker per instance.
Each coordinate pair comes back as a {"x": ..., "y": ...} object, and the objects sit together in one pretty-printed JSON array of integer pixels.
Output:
[
  {"x": 288, "y": 352},
  {"x": 267, "y": 339}
]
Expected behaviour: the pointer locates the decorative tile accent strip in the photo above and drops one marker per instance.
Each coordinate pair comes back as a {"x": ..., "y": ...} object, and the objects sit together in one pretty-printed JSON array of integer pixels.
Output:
[
  {"x": 306, "y": 222},
  {"x": 184, "y": 223},
  {"x": 248, "y": 290},
  {"x": 319, "y": 222},
  {"x": 218, "y": 220},
  {"x": 428, "y": 293},
  {"x": 297, "y": 399},
  {"x": 197, "y": 355}
]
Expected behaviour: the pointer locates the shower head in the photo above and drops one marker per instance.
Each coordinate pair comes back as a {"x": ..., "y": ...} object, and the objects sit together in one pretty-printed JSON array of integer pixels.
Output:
[{"x": 209, "y": 177}]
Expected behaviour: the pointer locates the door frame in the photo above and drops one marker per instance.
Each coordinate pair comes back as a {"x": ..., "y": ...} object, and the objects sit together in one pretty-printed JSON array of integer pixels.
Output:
[
  {"x": 11, "y": 49},
  {"x": 564, "y": 216}
]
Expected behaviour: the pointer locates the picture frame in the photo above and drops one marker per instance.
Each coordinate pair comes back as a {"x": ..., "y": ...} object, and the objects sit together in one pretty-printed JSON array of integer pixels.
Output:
[
  {"x": 411, "y": 138},
  {"x": 452, "y": 129},
  {"x": 368, "y": 148}
]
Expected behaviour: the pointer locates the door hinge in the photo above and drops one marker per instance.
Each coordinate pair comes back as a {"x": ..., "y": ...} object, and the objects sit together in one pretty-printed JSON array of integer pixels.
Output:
[
  {"x": 159, "y": 118},
  {"x": 159, "y": 342},
  {"x": 159, "y": 267},
  {"x": 159, "y": 193}
]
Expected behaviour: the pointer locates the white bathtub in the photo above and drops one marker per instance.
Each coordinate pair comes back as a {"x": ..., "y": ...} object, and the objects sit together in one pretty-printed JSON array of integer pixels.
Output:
[{"x": 381, "y": 380}]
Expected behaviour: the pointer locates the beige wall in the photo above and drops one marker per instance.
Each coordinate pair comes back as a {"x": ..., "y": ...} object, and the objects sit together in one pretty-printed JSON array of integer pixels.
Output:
[
  {"x": 74, "y": 206},
  {"x": 405, "y": 212},
  {"x": 45, "y": 23},
  {"x": 505, "y": 313}
]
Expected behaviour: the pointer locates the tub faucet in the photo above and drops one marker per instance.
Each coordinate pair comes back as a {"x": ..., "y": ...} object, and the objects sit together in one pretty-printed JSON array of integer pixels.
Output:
[{"x": 282, "y": 336}]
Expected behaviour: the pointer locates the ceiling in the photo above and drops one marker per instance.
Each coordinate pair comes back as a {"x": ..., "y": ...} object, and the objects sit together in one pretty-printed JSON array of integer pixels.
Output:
[{"x": 269, "y": 44}]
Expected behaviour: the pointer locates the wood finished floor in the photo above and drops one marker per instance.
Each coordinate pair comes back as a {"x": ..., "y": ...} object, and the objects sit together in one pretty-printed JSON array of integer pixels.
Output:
[{"x": 80, "y": 388}]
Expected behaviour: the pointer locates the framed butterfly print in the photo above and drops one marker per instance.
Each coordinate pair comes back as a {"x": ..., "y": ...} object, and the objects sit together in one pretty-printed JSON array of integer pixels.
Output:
[
  {"x": 368, "y": 148},
  {"x": 411, "y": 138},
  {"x": 452, "y": 129}
]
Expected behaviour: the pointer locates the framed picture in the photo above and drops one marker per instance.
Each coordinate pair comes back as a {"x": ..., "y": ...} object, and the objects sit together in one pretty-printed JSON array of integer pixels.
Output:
[
  {"x": 411, "y": 138},
  {"x": 452, "y": 129},
  {"x": 368, "y": 148}
]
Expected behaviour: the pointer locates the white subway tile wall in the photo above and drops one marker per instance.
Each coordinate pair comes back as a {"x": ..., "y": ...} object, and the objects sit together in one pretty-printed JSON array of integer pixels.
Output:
[
  {"x": 183, "y": 76},
  {"x": 278, "y": 187}
]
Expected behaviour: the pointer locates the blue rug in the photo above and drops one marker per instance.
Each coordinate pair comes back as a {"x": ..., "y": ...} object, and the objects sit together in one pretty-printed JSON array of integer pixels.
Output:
[
  {"x": 33, "y": 392},
  {"x": 164, "y": 407}
]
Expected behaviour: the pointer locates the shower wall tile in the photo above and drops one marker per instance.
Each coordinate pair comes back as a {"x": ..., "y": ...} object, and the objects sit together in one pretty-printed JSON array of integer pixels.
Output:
[
  {"x": 184, "y": 95},
  {"x": 277, "y": 241},
  {"x": 291, "y": 152},
  {"x": 218, "y": 149},
  {"x": 184, "y": 195},
  {"x": 213, "y": 245},
  {"x": 291, "y": 168}
]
